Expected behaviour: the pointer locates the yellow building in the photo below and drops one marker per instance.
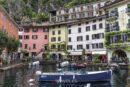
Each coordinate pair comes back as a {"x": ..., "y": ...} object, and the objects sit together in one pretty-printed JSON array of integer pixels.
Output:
[{"x": 57, "y": 40}]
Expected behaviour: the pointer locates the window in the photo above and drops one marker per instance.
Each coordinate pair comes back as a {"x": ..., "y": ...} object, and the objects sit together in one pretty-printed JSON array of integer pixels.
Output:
[
  {"x": 20, "y": 36},
  {"x": 87, "y": 28},
  {"x": 93, "y": 46},
  {"x": 53, "y": 27},
  {"x": 63, "y": 46},
  {"x": 69, "y": 31},
  {"x": 98, "y": 36},
  {"x": 58, "y": 26},
  {"x": 96, "y": 45},
  {"x": 45, "y": 30},
  {"x": 100, "y": 19},
  {"x": 45, "y": 37},
  {"x": 79, "y": 38},
  {"x": 59, "y": 38},
  {"x": 79, "y": 47},
  {"x": 59, "y": 47},
  {"x": 79, "y": 30},
  {"x": 26, "y": 30},
  {"x": 53, "y": 46},
  {"x": 26, "y": 36},
  {"x": 100, "y": 26},
  {"x": 59, "y": 32},
  {"x": 100, "y": 45},
  {"x": 87, "y": 22},
  {"x": 69, "y": 39},
  {"x": 34, "y": 37},
  {"x": 70, "y": 47},
  {"x": 53, "y": 32},
  {"x": 20, "y": 29},
  {"x": 94, "y": 27},
  {"x": 73, "y": 9},
  {"x": 25, "y": 46},
  {"x": 94, "y": 21},
  {"x": 87, "y": 46},
  {"x": 53, "y": 39},
  {"x": 34, "y": 46},
  {"x": 34, "y": 30},
  {"x": 87, "y": 37},
  {"x": 79, "y": 24},
  {"x": 69, "y": 26}
]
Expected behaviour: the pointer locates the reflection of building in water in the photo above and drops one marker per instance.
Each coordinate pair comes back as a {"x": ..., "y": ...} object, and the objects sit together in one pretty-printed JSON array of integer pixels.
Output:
[
  {"x": 2, "y": 75},
  {"x": 119, "y": 78}
]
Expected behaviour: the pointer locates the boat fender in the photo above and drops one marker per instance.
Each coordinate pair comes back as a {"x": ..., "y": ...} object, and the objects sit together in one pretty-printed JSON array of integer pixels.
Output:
[
  {"x": 88, "y": 85},
  {"x": 73, "y": 77},
  {"x": 60, "y": 79},
  {"x": 38, "y": 72}
]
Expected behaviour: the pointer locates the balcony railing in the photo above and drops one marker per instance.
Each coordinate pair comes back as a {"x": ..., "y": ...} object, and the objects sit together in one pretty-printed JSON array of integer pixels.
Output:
[
  {"x": 112, "y": 15},
  {"x": 115, "y": 28},
  {"x": 53, "y": 19}
]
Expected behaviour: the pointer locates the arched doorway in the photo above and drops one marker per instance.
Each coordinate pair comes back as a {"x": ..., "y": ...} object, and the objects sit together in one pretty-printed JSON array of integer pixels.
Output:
[{"x": 119, "y": 56}]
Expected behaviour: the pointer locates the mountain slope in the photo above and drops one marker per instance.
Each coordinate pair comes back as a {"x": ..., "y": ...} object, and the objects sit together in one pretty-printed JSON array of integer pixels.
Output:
[{"x": 36, "y": 9}]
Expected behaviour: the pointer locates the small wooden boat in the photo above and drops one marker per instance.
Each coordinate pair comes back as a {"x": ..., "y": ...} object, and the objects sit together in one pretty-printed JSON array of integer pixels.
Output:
[{"x": 76, "y": 77}]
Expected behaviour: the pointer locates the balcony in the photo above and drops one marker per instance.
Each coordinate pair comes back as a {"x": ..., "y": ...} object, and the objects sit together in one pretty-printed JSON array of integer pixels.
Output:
[
  {"x": 115, "y": 28},
  {"x": 113, "y": 15},
  {"x": 53, "y": 19}
]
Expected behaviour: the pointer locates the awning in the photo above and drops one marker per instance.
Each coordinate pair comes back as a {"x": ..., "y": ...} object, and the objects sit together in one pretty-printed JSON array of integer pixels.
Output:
[
  {"x": 78, "y": 53},
  {"x": 99, "y": 52}
]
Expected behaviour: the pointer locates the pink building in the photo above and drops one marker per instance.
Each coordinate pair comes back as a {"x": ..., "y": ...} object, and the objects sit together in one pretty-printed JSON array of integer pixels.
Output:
[{"x": 33, "y": 38}]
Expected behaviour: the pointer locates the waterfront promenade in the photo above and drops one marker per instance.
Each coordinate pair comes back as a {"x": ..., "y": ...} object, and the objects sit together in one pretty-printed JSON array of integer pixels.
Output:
[{"x": 12, "y": 66}]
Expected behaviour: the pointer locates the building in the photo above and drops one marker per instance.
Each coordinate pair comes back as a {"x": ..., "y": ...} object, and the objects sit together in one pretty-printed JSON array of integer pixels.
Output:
[
  {"x": 7, "y": 24},
  {"x": 117, "y": 36},
  {"x": 85, "y": 28},
  {"x": 33, "y": 37},
  {"x": 88, "y": 32},
  {"x": 57, "y": 40}
]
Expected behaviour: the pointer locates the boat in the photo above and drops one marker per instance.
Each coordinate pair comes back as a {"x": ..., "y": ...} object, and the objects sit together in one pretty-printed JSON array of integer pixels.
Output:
[
  {"x": 75, "y": 77},
  {"x": 76, "y": 66}
]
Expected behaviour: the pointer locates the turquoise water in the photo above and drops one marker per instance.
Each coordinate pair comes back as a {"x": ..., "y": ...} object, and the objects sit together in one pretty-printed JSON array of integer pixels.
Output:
[{"x": 19, "y": 77}]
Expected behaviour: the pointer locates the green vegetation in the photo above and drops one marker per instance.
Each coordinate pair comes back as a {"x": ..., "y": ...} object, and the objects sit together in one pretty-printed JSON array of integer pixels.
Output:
[
  {"x": 46, "y": 55},
  {"x": 11, "y": 44},
  {"x": 119, "y": 44},
  {"x": 37, "y": 9},
  {"x": 96, "y": 58},
  {"x": 26, "y": 59}
]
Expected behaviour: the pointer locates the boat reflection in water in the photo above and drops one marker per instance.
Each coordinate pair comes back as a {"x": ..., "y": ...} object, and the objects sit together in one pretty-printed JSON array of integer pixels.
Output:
[{"x": 75, "y": 85}]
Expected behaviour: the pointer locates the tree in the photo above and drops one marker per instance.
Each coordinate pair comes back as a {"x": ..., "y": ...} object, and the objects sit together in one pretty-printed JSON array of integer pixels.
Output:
[
  {"x": 3, "y": 40},
  {"x": 46, "y": 52}
]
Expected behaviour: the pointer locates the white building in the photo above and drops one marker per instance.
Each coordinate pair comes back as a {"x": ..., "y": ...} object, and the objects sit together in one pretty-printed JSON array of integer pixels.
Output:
[
  {"x": 117, "y": 30},
  {"x": 88, "y": 31}
]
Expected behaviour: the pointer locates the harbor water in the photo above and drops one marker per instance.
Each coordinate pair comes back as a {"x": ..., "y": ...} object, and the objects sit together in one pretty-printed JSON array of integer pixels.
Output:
[{"x": 25, "y": 77}]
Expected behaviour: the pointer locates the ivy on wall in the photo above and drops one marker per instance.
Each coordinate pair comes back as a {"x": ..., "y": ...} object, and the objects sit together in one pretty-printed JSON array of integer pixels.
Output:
[{"x": 120, "y": 44}]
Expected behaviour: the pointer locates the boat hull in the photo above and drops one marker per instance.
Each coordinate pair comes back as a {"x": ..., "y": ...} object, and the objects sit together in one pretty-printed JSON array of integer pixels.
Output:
[{"x": 92, "y": 77}]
